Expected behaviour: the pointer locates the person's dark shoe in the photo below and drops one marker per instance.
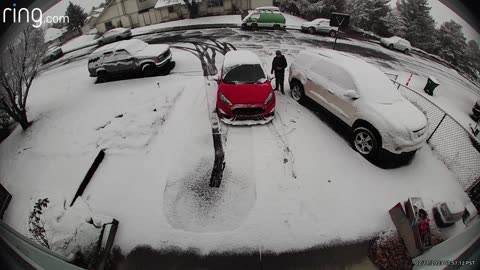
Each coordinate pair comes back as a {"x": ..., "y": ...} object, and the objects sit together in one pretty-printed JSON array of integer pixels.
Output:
[
  {"x": 276, "y": 89},
  {"x": 283, "y": 92}
]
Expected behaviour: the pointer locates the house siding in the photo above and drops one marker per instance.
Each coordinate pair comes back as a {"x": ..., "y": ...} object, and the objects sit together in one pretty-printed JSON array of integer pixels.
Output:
[{"x": 137, "y": 13}]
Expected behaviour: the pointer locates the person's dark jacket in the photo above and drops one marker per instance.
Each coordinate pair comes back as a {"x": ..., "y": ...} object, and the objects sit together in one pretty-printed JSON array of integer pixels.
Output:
[{"x": 279, "y": 64}]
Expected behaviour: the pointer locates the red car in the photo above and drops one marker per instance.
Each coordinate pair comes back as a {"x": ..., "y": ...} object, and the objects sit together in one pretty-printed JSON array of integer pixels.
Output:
[{"x": 244, "y": 91}]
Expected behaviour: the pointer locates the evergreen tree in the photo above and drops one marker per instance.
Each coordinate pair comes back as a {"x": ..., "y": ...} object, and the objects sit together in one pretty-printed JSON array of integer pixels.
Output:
[
  {"x": 76, "y": 16},
  {"x": 473, "y": 54},
  {"x": 395, "y": 24},
  {"x": 452, "y": 43},
  {"x": 369, "y": 15},
  {"x": 420, "y": 28},
  {"x": 311, "y": 9}
]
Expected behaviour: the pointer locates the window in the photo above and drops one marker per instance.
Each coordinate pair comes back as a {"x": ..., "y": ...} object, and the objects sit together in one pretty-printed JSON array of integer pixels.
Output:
[
  {"x": 245, "y": 74},
  {"x": 171, "y": 9},
  {"x": 215, "y": 3},
  {"x": 255, "y": 15},
  {"x": 337, "y": 78},
  {"x": 108, "y": 56},
  {"x": 108, "y": 25},
  {"x": 121, "y": 54}
]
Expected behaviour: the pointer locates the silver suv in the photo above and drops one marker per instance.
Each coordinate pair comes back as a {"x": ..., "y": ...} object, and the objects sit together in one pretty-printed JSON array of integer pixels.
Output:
[{"x": 127, "y": 57}]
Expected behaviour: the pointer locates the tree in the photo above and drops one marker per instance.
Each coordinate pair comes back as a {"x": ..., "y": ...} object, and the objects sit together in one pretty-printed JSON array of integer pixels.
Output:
[
  {"x": 19, "y": 66},
  {"x": 473, "y": 54},
  {"x": 452, "y": 43},
  {"x": 369, "y": 15},
  {"x": 420, "y": 29},
  {"x": 395, "y": 24},
  {"x": 76, "y": 16},
  {"x": 311, "y": 9}
]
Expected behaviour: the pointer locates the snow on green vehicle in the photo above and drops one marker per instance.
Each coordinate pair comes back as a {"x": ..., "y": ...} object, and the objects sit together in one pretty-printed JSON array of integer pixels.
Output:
[{"x": 265, "y": 17}]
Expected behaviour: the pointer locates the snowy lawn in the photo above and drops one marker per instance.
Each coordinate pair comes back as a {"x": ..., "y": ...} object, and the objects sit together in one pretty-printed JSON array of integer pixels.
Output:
[
  {"x": 79, "y": 43},
  {"x": 292, "y": 184}
]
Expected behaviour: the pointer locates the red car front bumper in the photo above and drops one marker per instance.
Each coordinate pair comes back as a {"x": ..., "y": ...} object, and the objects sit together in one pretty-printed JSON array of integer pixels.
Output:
[{"x": 246, "y": 112}]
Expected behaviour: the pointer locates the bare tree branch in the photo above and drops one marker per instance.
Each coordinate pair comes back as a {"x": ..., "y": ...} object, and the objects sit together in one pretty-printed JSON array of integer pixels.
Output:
[{"x": 19, "y": 66}]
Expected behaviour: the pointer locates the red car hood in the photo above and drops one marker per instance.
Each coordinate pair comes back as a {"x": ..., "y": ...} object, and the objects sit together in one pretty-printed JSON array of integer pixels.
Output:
[{"x": 245, "y": 93}]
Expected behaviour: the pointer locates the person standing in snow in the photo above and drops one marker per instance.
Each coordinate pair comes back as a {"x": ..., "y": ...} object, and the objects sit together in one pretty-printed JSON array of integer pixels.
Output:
[{"x": 279, "y": 65}]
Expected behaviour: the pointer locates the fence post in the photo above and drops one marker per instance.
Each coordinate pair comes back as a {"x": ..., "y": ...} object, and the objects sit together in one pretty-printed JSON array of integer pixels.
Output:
[{"x": 431, "y": 135}]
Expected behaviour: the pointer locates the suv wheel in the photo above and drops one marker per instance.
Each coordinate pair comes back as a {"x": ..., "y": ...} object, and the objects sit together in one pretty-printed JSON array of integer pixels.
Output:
[
  {"x": 298, "y": 92},
  {"x": 333, "y": 33},
  {"x": 148, "y": 70},
  {"x": 276, "y": 27},
  {"x": 311, "y": 30},
  {"x": 103, "y": 76},
  {"x": 406, "y": 51},
  {"x": 390, "y": 46},
  {"x": 366, "y": 142},
  {"x": 254, "y": 26},
  {"x": 100, "y": 43}
]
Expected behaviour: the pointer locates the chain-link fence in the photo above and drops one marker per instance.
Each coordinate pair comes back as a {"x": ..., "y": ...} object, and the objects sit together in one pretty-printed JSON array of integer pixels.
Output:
[{"x": 451, "y": 142}]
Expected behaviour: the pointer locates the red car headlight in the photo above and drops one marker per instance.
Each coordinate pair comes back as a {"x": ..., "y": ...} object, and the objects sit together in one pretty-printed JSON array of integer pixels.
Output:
[
  {"x": 269, "y": 98},
  {"x": 225, "y": 100}
]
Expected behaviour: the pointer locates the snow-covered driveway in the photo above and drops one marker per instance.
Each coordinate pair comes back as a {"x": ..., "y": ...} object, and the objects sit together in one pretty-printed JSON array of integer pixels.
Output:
[{"x": 292, "y": 184}]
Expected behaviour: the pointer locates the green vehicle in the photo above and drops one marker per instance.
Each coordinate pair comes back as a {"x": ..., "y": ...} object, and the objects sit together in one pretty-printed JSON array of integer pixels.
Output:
[{"x": 265, "y": 18}]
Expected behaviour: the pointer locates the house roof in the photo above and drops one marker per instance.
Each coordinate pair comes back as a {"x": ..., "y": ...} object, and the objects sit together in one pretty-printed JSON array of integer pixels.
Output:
[
  {"x": 98, "y": 10},
  {"x": 54, "y": 33},
  {"x": 104, "y": 9},
  {"x": 169, "y": 3}
]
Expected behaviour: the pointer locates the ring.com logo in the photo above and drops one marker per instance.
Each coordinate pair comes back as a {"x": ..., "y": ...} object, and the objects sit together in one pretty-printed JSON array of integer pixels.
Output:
[{"x": 35, "y": 16}]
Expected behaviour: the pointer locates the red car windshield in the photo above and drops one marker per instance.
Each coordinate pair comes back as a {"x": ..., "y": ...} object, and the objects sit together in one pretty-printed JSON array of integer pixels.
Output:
[{"x": 245, "y": 74}]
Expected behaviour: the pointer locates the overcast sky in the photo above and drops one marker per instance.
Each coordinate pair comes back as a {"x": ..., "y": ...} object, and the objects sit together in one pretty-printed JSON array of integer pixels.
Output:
[{"x": 439, "y": 11}]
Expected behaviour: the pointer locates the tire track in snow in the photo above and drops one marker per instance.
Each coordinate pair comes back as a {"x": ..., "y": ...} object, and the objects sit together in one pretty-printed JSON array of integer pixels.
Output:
[{"x": 276, "y": 127}]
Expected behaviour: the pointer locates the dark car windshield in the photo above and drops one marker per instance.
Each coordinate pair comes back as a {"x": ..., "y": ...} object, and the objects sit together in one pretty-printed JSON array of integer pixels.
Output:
[{"x": 245, "y": 74}]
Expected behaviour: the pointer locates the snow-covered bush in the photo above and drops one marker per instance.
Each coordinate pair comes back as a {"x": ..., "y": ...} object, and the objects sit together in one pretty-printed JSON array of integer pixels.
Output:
[{"x": 36, "y": 224}]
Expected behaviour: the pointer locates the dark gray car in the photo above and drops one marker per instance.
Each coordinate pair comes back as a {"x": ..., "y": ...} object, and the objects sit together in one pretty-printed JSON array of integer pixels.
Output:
[
  {"x": 128, "y": 56},
  {"x": 114, "y": 35}
]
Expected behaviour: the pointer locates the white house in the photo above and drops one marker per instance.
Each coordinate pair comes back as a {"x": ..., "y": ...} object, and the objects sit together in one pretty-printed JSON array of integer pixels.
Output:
[{"x": 136, "y": 13}]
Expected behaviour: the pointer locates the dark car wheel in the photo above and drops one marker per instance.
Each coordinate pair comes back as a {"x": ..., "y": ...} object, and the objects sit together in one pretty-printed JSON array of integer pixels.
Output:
[
  {"x": 406, "y": 51},
  {"x": 298, "y": 92},
  {"x": 390, "y": 46},
  {"x": 365, "y": 141},
  {"x": 103, "y": 76},
  {"x": 311, "y": 30},
  {"x": 254, "y": 26},
  {"x": 148, "y": 70},
  {"x": 276, "y": 27},
  {"x": 333, "y": 33},
  {"x": 100, "y": 43}
]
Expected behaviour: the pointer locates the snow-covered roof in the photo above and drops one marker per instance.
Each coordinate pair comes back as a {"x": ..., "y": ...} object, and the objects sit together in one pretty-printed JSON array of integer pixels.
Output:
[
  {"x": 236, "y": 58},
  {"x": 168, "y": 3},
  {"x": 118, "y": 29},
  {"x": 128, "y": 45},
  {"x": 369, "y": 79},
  {"x": 98, "y": 10},
  {"x": 268, "y": 8},
  {"x": 54, "y": 33}
]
